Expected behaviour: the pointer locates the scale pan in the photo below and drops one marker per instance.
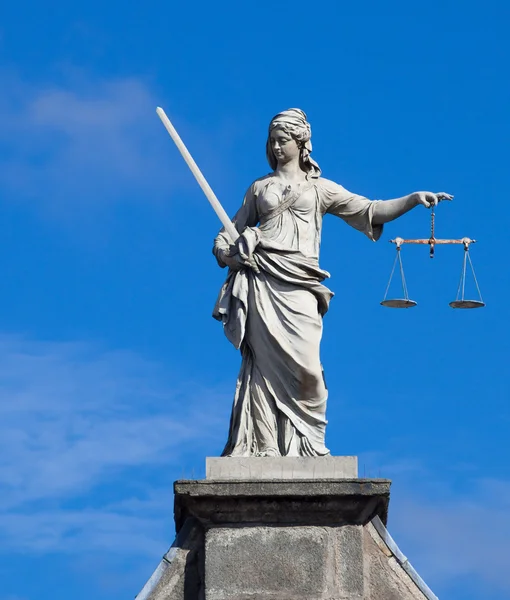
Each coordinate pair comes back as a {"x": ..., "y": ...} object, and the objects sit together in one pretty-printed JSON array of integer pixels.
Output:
[
  {"x": 467, "y": 304},
  {"x": 399, "y": 303}
]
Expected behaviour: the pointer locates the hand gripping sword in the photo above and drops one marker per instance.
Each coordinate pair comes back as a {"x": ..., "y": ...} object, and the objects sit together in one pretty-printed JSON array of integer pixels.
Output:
[{"x": 206, "y": 188}]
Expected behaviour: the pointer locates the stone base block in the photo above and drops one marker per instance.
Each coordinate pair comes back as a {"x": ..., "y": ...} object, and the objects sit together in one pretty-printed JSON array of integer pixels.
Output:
[
  {"x": 276, "y": 563},
  {"x": 282, "y": 468}
]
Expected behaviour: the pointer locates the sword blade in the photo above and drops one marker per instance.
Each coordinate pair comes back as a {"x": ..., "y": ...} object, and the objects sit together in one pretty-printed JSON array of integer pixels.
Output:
[{"x": 202, "y": 182}]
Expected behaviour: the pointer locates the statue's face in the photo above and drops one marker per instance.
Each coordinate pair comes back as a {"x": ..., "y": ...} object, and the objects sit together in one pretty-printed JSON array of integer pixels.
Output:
[{"x": 284, "y": 146}]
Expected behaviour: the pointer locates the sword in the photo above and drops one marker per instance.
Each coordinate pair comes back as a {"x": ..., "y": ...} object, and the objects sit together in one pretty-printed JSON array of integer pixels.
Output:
[{"x": 206, "y": 188}]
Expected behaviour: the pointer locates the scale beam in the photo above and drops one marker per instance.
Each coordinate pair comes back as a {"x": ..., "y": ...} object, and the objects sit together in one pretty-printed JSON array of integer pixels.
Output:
[{"x": 432, "y": 242}]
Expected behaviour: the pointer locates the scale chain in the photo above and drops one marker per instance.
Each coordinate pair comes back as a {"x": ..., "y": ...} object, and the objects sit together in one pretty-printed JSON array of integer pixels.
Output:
[
  {"x": 398, "y": 258},
  {"x": 474, "y": 277},
  {"x": 403, "y": 277},
  {"x": 391, "y": 274},
  {"x": 466, "y": 252},
  {"x": 462, "y": 279},
  {"x": 461, "y": 290}
]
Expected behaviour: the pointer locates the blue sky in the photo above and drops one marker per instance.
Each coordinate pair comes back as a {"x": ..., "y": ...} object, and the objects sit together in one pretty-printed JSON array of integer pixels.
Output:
[{"x": 114, "y": 378}]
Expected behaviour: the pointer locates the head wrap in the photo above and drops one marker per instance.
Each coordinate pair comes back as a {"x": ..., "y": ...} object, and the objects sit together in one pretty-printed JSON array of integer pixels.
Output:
[{"x": 294, "y": 122}]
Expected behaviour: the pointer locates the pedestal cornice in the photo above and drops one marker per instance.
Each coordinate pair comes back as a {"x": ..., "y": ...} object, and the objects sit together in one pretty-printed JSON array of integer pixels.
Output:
[{"x": 285, "y": 502}]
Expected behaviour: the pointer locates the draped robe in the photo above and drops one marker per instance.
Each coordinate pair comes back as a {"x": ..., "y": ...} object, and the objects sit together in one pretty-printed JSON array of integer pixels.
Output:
[{"x": 275, "y": 316}]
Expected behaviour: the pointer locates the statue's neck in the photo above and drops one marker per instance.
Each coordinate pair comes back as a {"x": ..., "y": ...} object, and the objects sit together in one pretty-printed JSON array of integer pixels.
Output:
[{"x": 290, "y": 171}]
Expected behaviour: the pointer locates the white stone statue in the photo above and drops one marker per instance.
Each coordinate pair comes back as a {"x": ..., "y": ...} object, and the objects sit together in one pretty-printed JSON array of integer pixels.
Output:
[{"x": 273, "y": 300}]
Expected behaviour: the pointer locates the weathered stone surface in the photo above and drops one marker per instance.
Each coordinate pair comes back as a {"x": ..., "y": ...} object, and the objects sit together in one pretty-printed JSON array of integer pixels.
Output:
[
  {"x": 284, "y": 540},
  {"x": 348, "y": 568},
  {"x": 316, "y": 502},
  {"x": 385, "y": 578},
  {"x": 258, "y": 562},
  {"x": 348, "y": 562},
  {"x": 180, "y": 575},
  {"x": 282, "y": 468},
  {"x": 267, "y": 562}
]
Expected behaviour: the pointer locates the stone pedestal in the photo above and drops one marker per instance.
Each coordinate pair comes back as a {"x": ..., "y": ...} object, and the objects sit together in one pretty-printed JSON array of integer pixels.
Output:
[
  {"x": 291, "y": 538},
  {"x": 327, "y": 467}
]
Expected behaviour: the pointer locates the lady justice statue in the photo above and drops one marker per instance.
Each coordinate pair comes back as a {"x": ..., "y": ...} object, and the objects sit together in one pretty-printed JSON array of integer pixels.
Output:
[{"x": 273, "y": 300}]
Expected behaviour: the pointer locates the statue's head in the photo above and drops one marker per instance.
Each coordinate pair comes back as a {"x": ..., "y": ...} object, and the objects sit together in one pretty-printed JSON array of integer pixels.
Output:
[{"x": 290, "y": 137}]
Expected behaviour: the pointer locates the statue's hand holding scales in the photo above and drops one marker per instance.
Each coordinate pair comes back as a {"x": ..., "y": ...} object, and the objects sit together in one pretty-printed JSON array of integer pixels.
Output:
[
  {"x": 428, "y": 199},
  {"x": 280, "y": 401}
]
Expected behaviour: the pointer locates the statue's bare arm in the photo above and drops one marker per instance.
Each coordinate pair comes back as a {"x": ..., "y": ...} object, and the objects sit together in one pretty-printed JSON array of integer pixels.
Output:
[{"x": 390, "y": 210}]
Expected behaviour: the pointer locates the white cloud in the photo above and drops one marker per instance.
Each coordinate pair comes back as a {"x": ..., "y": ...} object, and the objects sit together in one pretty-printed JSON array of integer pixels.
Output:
[
  {"x": 87, "y": 141},
  {"x": 465, "y": 535},
  {"x": 79, "y": 531},
  {"x": 74, "y": 418},
  {"x": 451, "y": 528}
]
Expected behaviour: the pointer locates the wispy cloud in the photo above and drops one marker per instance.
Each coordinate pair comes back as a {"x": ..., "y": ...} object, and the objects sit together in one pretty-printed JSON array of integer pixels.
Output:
[
  {"x": 86, "y": 434},
  {"x": 86, "y": 140},
  {"x": 103, "y": 530},
  {"x": 75, "y": 419},
  {"x": 465, "y": 535},
  {"x": 450, "y": 532}
]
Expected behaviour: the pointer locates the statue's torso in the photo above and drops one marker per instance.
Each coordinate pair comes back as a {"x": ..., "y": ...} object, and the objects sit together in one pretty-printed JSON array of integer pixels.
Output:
[{"x": 298, "y": 226}]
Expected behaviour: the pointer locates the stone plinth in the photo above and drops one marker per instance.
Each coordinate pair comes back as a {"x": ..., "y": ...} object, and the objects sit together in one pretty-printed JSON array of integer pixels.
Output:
[
  {"x": 282, "y": 468},
  {"x": 300, "y": 538},
  {"x": 315, "y": 538}
]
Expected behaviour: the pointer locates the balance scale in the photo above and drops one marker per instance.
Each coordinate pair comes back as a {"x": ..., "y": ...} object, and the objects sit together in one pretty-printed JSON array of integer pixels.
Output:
[{"x": 460, "y": 300}]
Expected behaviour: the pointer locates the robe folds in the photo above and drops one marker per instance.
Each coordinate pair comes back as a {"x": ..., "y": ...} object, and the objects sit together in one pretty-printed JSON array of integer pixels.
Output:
[{"x": 275, "y": 316}]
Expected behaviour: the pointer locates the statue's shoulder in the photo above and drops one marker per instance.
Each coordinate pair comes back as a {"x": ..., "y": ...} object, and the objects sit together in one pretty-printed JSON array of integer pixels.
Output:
[
  {"x": 328, "y": 187},
  {"x": 326, "y": 183},
  {"x": 260, "y": 183}
]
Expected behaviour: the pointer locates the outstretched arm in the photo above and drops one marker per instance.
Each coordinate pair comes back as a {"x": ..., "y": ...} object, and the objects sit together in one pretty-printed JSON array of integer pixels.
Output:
[
  {"x": 367, "y": 215},
  {"x": 390, "y": 210}
]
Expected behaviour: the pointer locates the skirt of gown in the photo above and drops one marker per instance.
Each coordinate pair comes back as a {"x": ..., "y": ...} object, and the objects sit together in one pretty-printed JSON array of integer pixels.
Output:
[{"x": 275, "y": 318}]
